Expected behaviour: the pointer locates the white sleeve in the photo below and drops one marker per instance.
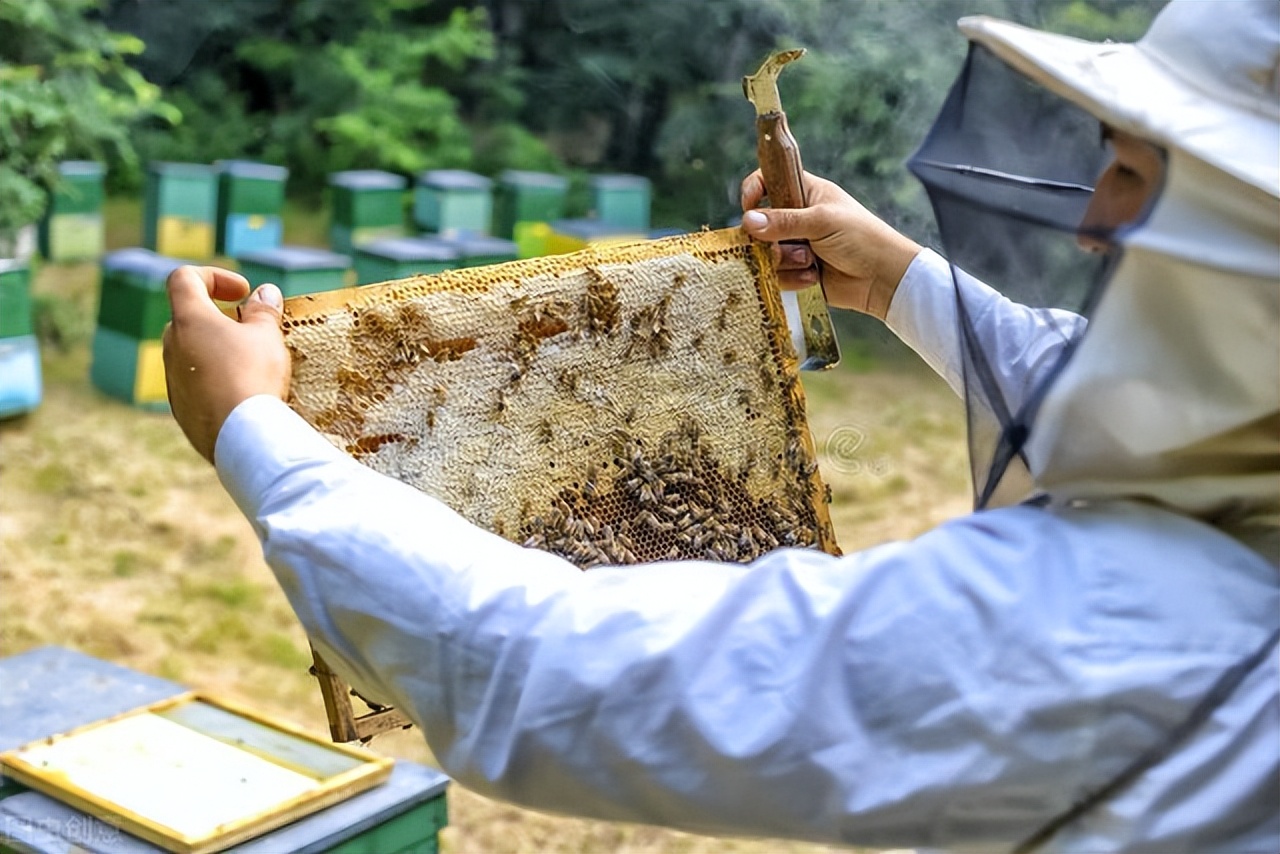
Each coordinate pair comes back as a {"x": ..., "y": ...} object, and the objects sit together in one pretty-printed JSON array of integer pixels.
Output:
[
  {"x": 1019, "y": 342},
  {"x": 916, "y": 693}
]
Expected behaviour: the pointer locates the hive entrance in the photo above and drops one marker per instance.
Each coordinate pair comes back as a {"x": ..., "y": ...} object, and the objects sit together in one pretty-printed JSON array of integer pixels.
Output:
[{"x": 619, "y": 405}]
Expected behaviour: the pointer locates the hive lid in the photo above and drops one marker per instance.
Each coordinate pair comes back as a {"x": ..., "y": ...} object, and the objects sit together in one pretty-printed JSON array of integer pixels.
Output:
[
  {"x": 411, "y": 249},
  {"x": 619, "y": 182},
  {"x": 471, "y": 245},
  {"x": 368, "y": 179},
  {"x": 297, "y": 258},
  {"x": 538, "y": 180},
  {"x": 253, "y": 169},
  {"x": 187, "y": 170},
  {"x": 453, "y": 179},
  {"x": 10, "y": 265},
  {"x": 590, "y": 229},
  {"x": 81, "y": 168},
  {"x": 154, "y": 269}
]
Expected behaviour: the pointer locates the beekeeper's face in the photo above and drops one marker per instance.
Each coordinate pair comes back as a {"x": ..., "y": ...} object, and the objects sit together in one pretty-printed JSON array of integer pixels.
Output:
[{"x": 1122, "y": 191}]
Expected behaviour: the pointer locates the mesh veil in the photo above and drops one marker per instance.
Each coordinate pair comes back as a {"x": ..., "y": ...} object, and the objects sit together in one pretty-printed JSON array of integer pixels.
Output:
[{"x": 1009, "y": 169}]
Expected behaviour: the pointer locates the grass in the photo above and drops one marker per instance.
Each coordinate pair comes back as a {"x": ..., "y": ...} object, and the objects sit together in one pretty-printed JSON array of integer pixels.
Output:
[{"x": 116, "y": 539}]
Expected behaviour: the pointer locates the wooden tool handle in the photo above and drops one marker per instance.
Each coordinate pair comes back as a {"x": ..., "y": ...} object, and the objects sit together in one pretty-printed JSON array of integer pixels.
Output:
[{"x": 779, "y": 157}]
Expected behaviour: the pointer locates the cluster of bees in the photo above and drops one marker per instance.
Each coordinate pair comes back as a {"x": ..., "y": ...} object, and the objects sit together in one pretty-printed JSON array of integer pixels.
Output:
[{"x": 676, "y": 504}]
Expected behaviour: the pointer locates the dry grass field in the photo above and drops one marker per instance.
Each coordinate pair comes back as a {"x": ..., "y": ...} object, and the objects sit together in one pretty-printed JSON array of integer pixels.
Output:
[{"x": 117, "y": 540}]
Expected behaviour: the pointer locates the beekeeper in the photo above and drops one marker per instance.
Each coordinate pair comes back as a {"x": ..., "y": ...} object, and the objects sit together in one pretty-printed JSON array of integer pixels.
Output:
[{"x": 1088, "y": 662}]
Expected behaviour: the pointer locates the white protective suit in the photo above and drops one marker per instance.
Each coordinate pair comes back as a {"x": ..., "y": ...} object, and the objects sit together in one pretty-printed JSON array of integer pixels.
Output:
[{"x": 961, "y": 689}]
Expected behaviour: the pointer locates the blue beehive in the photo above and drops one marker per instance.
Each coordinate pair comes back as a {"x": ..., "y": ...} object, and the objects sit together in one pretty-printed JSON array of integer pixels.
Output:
[
  {"x": 20, "y": 382},
  {"x": 250, "y": 200}
]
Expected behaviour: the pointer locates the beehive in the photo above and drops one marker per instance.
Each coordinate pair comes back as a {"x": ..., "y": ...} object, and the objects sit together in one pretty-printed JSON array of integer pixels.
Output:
[
  {"x": 133, "y": 309},
  {"x": 296, "y": 269},
  {"x": 21, "y": 387},
  {"x": 618, "y": 405},
  {"x": 621, "y": 200},
  {"x": 366, "y": 205},
  {"x": 481, "y": 250},
  {"x": 72, "y": 229},
  {"x": 180, "y": 209},
  {"x": 524, "y": 204},
  {"x": 400, "y": 257},
  {"x": 446, "y": 201},
  {"x": 250, "y": 199}
]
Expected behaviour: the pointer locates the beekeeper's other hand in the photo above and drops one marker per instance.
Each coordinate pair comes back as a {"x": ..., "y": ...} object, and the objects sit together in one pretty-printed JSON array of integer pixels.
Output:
[{"x": 211, "y": 362}]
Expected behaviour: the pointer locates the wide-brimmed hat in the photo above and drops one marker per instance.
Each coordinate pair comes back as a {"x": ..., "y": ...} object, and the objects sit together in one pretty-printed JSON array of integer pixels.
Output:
[{"x": 1204, "y": 79}]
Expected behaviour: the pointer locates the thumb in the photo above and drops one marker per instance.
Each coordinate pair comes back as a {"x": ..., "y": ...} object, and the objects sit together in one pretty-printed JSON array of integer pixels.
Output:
[
  {"x": 777, "y": 224},
  {"x": 265, "y": 306},
  {"x": 193, "y": 289}
]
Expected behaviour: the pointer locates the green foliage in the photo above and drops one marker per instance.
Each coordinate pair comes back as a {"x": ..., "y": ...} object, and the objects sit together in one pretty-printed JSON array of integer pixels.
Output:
[
  {"x": 325, "y": 85},
  {"x": 572, "y": 86},
  {"x": 69, "y": 92}
]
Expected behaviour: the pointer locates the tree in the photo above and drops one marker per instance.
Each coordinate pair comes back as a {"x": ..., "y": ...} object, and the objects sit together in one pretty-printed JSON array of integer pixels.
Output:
[
  {"x": 317, "y": 85},
  {"x": 68, "y": 93}
]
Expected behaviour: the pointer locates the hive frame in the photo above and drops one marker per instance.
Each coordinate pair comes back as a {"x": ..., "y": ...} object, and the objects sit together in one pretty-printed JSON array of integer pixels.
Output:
[{"x": 308, "y": 310}]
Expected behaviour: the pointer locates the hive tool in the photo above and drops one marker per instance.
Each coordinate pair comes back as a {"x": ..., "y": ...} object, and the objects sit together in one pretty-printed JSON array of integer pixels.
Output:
[{"x": 779, "y": 157}]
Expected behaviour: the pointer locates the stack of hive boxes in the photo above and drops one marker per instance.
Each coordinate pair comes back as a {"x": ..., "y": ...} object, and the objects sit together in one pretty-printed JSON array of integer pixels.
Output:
[
  {"x": 180, "y": 209},
  {"x": 132, "y": 312},
  {"x": 72, "y": 229},
  {"x": 20, "y": 383},
  {"x": 250, "y": 199}
]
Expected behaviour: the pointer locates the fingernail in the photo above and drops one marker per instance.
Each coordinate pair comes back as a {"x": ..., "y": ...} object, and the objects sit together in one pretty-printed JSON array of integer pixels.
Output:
[
  {"x": 754, "y": 220},
  {"x": 271, "y": 295}
]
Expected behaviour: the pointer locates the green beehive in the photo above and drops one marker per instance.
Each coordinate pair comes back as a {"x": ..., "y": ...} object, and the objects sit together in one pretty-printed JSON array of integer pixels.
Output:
[
  {"x": 621, "y": 200},
  {"x": 15, "y": 299},
  {"x": 133, "y": 309},
  {"x": 401, "y": 257},
  {"x": 180, "y": 209},
  {"x": 479, "y": 250},
  {"x": 524, "y": 204},
  {"x": 250, "y": 199},
  {"x": 132, "y": 298},
  {"x": 448, "y": 201},
  {"x": 72, "y": 228},
  {"x": 296, "y": 269},
  {"x": 366, "y": 205}
]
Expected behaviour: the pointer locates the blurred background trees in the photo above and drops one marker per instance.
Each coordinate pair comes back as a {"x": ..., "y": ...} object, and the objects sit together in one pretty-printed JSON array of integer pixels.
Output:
[{"x": 570, "y": 86}]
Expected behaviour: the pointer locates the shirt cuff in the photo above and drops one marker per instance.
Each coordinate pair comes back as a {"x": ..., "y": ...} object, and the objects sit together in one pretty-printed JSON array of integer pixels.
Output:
[
  {"x": 261, "y": 440},
  {"x": 923, "y": 315}
]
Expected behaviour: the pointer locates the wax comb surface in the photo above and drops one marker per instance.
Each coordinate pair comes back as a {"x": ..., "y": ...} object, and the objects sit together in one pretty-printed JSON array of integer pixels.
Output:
[{"x": 618, "y": 405}]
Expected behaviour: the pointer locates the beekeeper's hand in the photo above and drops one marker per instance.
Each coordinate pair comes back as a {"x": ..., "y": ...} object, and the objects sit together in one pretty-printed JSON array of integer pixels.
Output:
[
  {"x": 211, "y": 362},
  {"x": 863, "y": 258}
]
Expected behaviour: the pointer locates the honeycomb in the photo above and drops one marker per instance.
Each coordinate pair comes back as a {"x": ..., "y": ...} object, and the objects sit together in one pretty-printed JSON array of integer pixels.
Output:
[{"x": 618, "y": 405}]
